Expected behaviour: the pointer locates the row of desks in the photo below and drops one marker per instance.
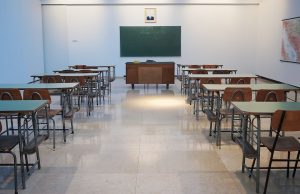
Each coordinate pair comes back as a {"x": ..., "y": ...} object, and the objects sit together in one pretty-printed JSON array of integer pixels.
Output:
[
  {"x": 246, "y": 109},
  {"x": 31, "y": 107}
]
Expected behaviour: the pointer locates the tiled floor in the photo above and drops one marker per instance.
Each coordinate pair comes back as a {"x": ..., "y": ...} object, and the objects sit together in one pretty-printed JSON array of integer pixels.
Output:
[{"x": 143, "y": 141}]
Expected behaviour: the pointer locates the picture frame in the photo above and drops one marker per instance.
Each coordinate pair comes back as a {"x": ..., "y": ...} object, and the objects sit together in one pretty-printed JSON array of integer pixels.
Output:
[
  {"x": 150, "y": 15},
  {"x": 290, "y": 48}
]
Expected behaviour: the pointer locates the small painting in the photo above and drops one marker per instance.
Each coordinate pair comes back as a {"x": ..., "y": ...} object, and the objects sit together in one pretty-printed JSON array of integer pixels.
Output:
[{"x": 150, "y": 15}]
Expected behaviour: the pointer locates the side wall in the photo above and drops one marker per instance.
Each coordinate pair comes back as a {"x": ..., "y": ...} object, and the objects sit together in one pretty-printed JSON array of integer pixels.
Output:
[
  {"x": 21, "y": 49},
  {"x": 89, "y": 34},
  {"x": 268, "y": 64}
]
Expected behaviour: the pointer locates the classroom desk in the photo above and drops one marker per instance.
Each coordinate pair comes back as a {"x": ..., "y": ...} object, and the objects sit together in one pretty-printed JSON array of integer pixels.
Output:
[
  {"x": 28, "y": 107},
  {"x": 65, "y": 88},
  {"x": 221, "y": 76},
  {"x": 185, "y": 72},
  {"x": 80, "y": 70},
  {"x": 111, "y": 70},
  {"x": 180, "y": 66},
  {"x": 104, "y": 77},
  {"x": 93, "y": 90},
  {"x": 254, "y": 87},
  {"x": 257, "y": 109}
]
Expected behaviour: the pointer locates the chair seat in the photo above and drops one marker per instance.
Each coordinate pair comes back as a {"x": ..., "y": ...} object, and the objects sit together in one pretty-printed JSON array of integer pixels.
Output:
[
  {"x": 51, "y": 113},
  {"x": 283, "y": 143},
  {"x": 7, "y": 143},
  {"x": 210, "y": 115},
  {"x": 226, "y": 111},
  {"x": 31, "y": 146}
]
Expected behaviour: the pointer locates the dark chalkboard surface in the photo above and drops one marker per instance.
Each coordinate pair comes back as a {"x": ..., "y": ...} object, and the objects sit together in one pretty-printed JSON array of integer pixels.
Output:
[{"x": 141, "y": 41}]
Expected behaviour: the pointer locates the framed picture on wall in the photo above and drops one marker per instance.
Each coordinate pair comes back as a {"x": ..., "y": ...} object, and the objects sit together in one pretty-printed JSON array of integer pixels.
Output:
[
  {"x": 150, "y": 15},
  {"x": 290, "y": 47}
]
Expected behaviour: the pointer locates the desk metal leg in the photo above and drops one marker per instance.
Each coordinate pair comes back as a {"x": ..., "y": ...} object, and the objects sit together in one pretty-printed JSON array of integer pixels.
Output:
[
  {"x": 258, "y": 154},
  {"x": 244, "y": 137},
  {"x": 21, "y": 146}
]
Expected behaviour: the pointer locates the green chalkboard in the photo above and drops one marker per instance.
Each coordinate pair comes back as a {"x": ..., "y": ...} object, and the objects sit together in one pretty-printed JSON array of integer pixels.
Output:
[{"x": 139, "y": 41}]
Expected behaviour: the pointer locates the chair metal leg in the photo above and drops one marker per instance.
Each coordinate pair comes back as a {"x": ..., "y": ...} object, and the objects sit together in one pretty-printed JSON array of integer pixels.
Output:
[
  {"x": 72, "y": 128},
  {"x": 269, "y": 170},
  {"x": 296, "y": 163},
  {"x": 288, "y": 165},
  {"x": 15, "y": 172},
  {"x": 53, "y": 123},
  {"x": 64, "y": 128},
  {"x": 210, "y": 128},
  {"x": 252, "y": 166},
  {"x": 38, "y": 157}
]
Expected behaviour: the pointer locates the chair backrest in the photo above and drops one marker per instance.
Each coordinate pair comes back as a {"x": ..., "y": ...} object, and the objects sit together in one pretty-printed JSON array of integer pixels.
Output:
[
  {"x": 79, "y": 66},
  {"x": 286, "y": 120},
  {"x": 51, "y": 79},
  {"x": 10, "y": 94},
  {"x": 240, "y": 80},
  {"x": 71, "y": 79},
  {"x": 91, "y": 67},
  {"x": 209, "y": 81},
  {"x": 210, "y": 66},
  {"x": 67, "y": 71},
  {"x": 37, "y": 94},
  {"x": 237, "y": 95},
  {"x": 221, "y": 72},
  {"x": 198, "y": 71},
  {"x": 85, "y": 71},
  {"x": 270, "y": 96},
  {"x": 194, "y": 66}
]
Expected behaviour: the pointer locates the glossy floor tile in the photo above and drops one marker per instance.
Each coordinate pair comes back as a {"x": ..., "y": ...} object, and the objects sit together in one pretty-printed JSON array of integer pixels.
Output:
[{"x": 142, "y": 141}]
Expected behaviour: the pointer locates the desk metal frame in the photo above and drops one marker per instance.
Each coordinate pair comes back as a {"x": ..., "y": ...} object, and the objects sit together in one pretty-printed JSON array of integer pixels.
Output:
[
  {"x": 258, "y": 109},
  {"x": 24, "y": 107}
]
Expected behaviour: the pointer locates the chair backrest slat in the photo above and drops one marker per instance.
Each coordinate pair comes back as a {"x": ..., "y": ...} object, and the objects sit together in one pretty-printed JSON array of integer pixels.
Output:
[
  {"x": 291, "y": 120},
  {"x": 240, "y": 80},
  {"x": 210, "y": 66},
  {"x": 237, "y": 95},
  {"x": 10, "y": 94},
  {"x": 270, "y": 96},
  {"x": 37, "y": 94}
]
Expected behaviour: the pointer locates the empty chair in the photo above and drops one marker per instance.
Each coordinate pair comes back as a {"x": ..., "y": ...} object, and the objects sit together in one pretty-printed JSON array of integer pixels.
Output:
[
  {"x": 194, "y": 85},
  {"x": 200, "y": 71},
  {"x": 283, "y": 121},
  {"x": 10, "y": 94},
  {"x": 270, "y": 96},
  {"x": 91, "y": 67},
  {"x": 210, "y": 66},
  {"x": 202, "y": 97},
  {"x": 79, "y": 66},
  {"x": 67, "y": 71},
  {"x": 84, "y": 91},
  {"x": 240, "y": 80},
  {"x": 7, "y": 145},
  {"x": 51, "y": 79},
  {"x": 194, "y": 66},
  {"x": 43, "y": 94},
  {"x": 221, "y": 71},
  {"x": 231, "y": 95}
]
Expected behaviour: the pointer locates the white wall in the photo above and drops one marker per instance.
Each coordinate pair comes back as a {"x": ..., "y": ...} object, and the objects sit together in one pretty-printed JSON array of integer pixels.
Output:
[
  {"x": 268, "y": 64},
  {"x": 21, "y": 48},
  {"x": 224, "y": 34}
]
